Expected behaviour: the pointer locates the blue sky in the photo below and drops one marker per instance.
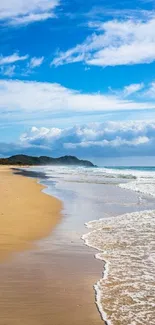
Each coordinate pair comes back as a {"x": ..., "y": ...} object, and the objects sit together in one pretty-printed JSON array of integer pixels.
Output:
[{"x": 77, "y": 77}]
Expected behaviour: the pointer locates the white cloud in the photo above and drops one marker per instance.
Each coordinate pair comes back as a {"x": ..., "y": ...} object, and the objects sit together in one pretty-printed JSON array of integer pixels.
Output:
[
  {"x": 103, "y": 139},
  {"x": 39, "y": 96},
  {"x": 32, "y": 18},
  {"x": 24, "y": 12},
  {"x": 108, "y": 139},
  {"x": 41, "y": 133},
  {"x": 132, "y": 89},
  {"x": 115, "y": 43},
  {"x": 36, "y": 62},
  {"x": 150, "y": 92},
  {"x": 98, "y": 12},
  {"x": 116, "y": 143},
  {"x": 15, "y": 57},
  {"x": 8, "y": 71},
  {"x": 129, "y": 90}
]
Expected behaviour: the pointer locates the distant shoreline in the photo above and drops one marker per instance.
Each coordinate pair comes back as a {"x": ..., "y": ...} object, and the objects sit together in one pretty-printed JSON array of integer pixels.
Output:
[{"x": 24, "y": 160}]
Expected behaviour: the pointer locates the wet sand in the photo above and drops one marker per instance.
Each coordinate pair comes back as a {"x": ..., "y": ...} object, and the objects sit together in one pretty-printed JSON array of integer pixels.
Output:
[
  {"x": 44, "y": 288},
  {"x": 49, "y": 283}
]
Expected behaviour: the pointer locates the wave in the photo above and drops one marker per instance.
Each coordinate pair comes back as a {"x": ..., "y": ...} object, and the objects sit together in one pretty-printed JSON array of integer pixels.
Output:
[
  {"x": 88, "y": 175},
  {"x": 145, "y": 186},
  {"x": 141, "y": 181},
  {"x": 126, "y": 293}
]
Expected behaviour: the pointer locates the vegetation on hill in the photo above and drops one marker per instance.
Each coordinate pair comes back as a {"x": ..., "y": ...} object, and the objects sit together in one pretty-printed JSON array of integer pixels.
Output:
[{"x": 24, "y": 160}]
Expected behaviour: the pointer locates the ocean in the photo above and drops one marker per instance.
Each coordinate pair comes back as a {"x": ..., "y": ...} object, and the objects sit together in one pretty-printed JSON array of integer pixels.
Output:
[{"x": 120, "y": 204}]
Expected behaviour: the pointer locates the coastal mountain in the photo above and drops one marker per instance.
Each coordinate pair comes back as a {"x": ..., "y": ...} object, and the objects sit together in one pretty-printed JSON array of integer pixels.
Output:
[{"x": 43, "y": 160}]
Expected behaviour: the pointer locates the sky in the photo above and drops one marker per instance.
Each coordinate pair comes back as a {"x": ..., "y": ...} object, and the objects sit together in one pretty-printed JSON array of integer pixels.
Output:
[{"x": 77, "y": 78}]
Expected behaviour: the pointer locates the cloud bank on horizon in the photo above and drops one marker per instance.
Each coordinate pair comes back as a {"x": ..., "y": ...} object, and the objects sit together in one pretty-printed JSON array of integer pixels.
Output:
[
  {"x": 107, "y": 139},
  {"x": 65, "y": 63}
]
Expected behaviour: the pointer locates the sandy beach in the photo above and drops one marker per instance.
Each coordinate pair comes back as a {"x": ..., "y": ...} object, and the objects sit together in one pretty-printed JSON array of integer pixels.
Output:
[
  {"x": 42, "y": 281},
  {"x": 26, "y": 214},
  {"x": 47, "y": 273}
]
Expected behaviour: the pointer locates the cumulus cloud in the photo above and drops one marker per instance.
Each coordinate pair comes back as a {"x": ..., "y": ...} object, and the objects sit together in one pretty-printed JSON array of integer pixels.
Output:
[
  {"x": 19, "y": 12},
  {"x": 115, "y": 42},
  {"x": 38, "y": 96},
  {"x": 99, "y": 139}
]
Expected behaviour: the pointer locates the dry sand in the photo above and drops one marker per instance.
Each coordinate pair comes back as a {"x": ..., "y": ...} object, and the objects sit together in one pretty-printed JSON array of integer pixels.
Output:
[{"x": 26, "y": 214}]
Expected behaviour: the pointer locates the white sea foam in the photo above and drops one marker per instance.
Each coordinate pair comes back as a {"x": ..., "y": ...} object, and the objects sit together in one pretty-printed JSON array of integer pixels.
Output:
[
  {"x": 126, "y": 293},
  {"x": 145, "y": 186},
  {"x": 144, "y": 183},
  {"x": 136, "y": 180},
  {"x": 88, "y": 175},
  {"x": 141, "y": 181}
]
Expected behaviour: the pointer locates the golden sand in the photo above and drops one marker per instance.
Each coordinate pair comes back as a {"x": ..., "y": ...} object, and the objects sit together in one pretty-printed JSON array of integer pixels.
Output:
[
  {"x": 26, "y": 214},
  {"x": 40, "y": 286}
]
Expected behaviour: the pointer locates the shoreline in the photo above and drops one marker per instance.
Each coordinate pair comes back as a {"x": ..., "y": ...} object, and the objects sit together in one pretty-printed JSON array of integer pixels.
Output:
[
  {"x": 40, "y": 283},
  {"x": 27, "y": 213},
  {"x": 105, "y": 274},
  {"x": 53, "y": 282},
  {"x": 106, "y": 262}
]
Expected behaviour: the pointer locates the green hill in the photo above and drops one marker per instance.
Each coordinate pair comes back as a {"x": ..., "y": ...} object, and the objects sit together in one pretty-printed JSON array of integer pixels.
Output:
[{"x": 43, "y": 160}]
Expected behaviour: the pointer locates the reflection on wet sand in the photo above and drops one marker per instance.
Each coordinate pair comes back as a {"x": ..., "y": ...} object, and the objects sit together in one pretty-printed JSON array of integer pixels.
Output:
[{"x": 49, "y": 288}]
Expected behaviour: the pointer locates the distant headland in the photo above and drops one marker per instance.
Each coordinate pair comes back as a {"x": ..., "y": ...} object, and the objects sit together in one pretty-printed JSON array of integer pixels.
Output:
[{"x": 24, "y": 160}]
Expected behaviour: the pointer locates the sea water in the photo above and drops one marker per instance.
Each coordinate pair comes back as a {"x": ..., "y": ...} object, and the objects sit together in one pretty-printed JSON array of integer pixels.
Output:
[
  {"x": 143, "y": 178},
  {"x": 125, "y": 295}
]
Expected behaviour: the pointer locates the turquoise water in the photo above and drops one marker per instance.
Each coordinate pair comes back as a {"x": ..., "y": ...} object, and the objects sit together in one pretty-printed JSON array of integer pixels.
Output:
[{"x": 139, "y": 168}]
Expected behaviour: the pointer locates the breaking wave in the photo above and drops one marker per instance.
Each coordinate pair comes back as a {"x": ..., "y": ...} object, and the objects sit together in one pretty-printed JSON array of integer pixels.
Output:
[{"x": 126, "y": 293}]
